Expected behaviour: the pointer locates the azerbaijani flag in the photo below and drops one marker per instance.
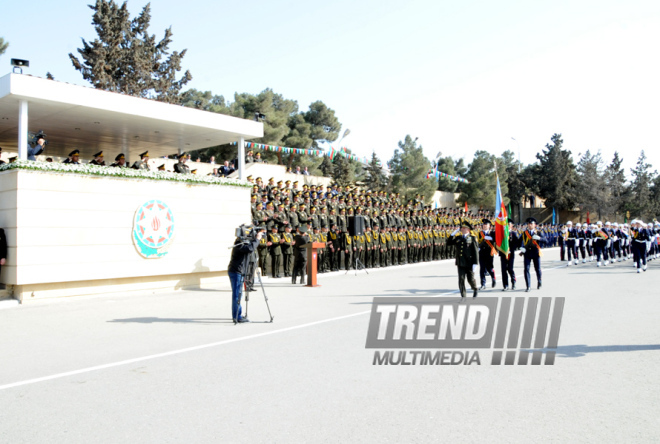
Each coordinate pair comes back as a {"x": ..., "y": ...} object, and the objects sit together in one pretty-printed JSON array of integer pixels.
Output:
[{"x": 501, "y": 222}]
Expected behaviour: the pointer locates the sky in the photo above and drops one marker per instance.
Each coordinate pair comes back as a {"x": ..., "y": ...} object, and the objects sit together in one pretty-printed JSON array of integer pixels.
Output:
[{"x": 460, "y": 76}]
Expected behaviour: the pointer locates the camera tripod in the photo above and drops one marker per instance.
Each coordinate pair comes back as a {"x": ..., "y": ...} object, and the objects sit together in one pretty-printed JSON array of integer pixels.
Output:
[
  {"x": 358, "y": 266},
  {"x": 249, "y": 287}
]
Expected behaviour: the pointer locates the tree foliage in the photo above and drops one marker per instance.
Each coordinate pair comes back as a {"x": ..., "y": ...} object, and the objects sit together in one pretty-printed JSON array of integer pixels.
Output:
[
  {"x": 3, "y": 46},
  {"x": 125, "y": 58},
  {"x": 482, "y": 187},
  {"x": 408, "y": 169},
  {"x": 556, "y": 180},
  {"x": 447, "y": 165},
  {"x": 375, "y": 179},
  {"x": 640, "y": 203}
]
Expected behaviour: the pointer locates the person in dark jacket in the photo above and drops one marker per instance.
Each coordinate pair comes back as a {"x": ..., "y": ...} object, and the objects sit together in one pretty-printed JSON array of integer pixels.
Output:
[
  {"x": 237, "y": 269},
  {"x": 467, "y": 257}
]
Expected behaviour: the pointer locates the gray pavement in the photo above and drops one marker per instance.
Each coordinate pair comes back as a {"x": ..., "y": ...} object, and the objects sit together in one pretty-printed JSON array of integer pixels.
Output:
[{"x": 173, "y": 367}]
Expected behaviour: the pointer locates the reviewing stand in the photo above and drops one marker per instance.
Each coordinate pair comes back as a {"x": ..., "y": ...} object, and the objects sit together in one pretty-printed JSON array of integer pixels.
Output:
[{"x": 312, "y": 259}]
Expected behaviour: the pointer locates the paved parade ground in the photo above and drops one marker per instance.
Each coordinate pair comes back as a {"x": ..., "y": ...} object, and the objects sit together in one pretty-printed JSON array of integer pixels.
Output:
[{"x": 173, "y": 367}]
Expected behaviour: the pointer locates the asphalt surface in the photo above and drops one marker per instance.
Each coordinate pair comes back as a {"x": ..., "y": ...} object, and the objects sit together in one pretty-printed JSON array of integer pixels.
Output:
[{"x": 169, "y": 368}]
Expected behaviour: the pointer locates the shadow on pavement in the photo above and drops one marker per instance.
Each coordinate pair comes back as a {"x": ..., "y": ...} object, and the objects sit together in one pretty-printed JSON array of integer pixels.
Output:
[
  {"x": 577, "y": 351},
  {"x": 154, "y": 320}
]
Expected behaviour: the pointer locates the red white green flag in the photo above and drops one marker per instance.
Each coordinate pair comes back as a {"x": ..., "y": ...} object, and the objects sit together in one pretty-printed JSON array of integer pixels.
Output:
[{"x": 501, "y": 222}]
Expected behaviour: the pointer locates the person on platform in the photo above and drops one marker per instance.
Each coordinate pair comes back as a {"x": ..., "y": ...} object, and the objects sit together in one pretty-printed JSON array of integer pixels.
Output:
[
  {"x": 98, "y": 159},
  {"x": 467, "y": 257},
  {"x": 74, "y": 158},
  {"x": 531, "y": 251},
  {"x": 38, "y": 148},
  {"x": 143, "y": 163},
  {"x": 181, "y": 167},
  {"x": 237, "y": 269},
  {"x": 120, "y": 161}
]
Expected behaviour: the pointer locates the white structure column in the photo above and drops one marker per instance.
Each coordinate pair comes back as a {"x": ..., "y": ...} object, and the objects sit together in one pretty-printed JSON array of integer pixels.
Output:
[
  {"x": 241, "y": 158},
  {"x": 22, "y": 129}
]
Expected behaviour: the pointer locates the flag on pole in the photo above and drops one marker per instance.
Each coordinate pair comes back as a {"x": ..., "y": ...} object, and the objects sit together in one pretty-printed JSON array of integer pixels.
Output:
[
  {"x": 588, "y": 221},
  {"x": 553, "y": 216},
  {"x": 501, "y": 222},
  {"x": 466, "y": 208}
]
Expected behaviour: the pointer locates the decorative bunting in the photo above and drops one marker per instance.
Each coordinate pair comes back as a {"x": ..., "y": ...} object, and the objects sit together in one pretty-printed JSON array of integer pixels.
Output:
[
  {"x": 437, "y": 174},
  {"x": 332, "y": 153}
]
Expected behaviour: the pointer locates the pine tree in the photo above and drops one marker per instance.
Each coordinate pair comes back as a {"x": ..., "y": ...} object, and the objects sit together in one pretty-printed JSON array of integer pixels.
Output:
[
  {"x": 342, "y": 171},
  {"x": 376, "y": 179},
  {"x": 3, "y": 46},
  {"x": 557, "y": 177},
  {"x": 640, "y": 203},
  {"x": 482, "y": 187},
  {"x": 408, "y": 169},
  {"x": 125, "y": 58},
  {"x": 446, "y": 165},
  {"x": 615, "y": 180},
  {"x": 592, "y": 194}
]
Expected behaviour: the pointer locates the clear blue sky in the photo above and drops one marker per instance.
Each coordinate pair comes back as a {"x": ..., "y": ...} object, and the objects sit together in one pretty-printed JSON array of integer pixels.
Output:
[{"x": 461, "y": 76}]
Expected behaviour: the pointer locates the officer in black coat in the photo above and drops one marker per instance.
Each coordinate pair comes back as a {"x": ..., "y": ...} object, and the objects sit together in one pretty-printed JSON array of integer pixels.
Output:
[
  {"x": 300, "y": 260},
  {"x": 487, "y": 252},
  {"x": 467, "y": 257},
  {"x": 531, "y": 243},
  {"x": 507, "y": 260}
]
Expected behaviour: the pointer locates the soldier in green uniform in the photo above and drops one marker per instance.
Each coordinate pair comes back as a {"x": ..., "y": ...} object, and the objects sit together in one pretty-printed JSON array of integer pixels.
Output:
[
  {"x": 287, "y": 250},
  {"x": 324, "y": 237},
  {"x": 262, "y": 251},
  {"x": 375, "y": 231},
  {"x": 368, "y": 247},
  {"x": 334, "y": 239},
  {"x": 275, "y": 250}
]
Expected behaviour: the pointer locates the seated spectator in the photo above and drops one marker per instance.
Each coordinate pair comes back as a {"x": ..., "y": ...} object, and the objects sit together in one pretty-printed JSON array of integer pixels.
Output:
[
  {"x": 306, "y": 172},
  {"x": 297, "y": 170},
  {"x": 120, "y": 161},
  {"x": 212, "y": 160},
  {"x": 38, "y": 148},
  {"x": 49, "y": 159},
  {"x": 74, "y": 157},
  {"x": 98, "y": 159},
  {"x": 226, "y": 169},
  {"x": 257, "y": 158},
  {"x": 198, "y": 159},
  {"x": 249, "y": 158}
]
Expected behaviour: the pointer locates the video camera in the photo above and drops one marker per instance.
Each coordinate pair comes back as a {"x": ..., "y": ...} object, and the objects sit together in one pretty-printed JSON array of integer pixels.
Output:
[
  {"x": 33, "y": 137},
  {"x": 248, "y": 233}
]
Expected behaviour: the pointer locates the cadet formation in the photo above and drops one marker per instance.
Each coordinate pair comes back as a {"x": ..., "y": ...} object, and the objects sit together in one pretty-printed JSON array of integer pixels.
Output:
[{"x": 399, "y": 233}]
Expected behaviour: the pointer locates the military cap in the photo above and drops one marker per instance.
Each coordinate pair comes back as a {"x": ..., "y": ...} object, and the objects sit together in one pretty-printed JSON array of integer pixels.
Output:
[
  {"x": 145, "y": 154},
  {"x": 302, "y": 228},
  {"x": 161, "y": 168},
  {"x": 279, "y": 182},
  {"x": 99, "y": 154},
  {"x": 119, "y": 156},
  {"x": 193, "y": 171},
  {"x": 530, "y": 220},
  {"x": 288, "y": 181},
  {"x": 466, "y": 224},
  {"x": 181, "y": 156},
  {"x": 74, "y": 153},
  {"x": 485, "y": 221},
  {"x": 249, "y": 177}
]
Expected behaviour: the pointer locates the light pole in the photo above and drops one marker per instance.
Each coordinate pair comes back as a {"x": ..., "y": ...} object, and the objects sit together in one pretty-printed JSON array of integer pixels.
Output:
[
  {"x": 518, "y": 143},
  {"x": 346, "y": 133}
]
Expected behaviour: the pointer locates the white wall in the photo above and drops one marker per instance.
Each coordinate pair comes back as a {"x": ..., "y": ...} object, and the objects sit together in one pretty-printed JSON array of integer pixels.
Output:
[{"x": 65, "y": 228}]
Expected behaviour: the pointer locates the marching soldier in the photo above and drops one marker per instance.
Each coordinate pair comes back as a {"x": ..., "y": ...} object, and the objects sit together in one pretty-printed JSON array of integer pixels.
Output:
[
  {"x": 487, "y": 253},
  {"x": 507, "y": 260},
  {"x": 467, "y": 257},
  {"x": 531, "y": 250}
]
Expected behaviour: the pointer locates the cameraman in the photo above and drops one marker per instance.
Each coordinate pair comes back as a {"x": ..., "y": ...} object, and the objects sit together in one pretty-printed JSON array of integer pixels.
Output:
[
  {"x": 237, "y": 269},
  {"x": 38, "y": 148}
]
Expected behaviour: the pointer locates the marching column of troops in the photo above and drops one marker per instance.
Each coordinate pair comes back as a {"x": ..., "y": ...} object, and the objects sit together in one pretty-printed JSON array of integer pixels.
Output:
[{"x": 609, "y": 243}]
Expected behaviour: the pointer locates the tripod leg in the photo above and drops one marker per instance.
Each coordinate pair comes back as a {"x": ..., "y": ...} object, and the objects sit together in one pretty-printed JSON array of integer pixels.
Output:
[{"x": 265, "y": 298}]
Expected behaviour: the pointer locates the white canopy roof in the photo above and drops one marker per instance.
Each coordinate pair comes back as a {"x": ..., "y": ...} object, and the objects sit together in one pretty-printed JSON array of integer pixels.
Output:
[{"x": 91, "y": 120}]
